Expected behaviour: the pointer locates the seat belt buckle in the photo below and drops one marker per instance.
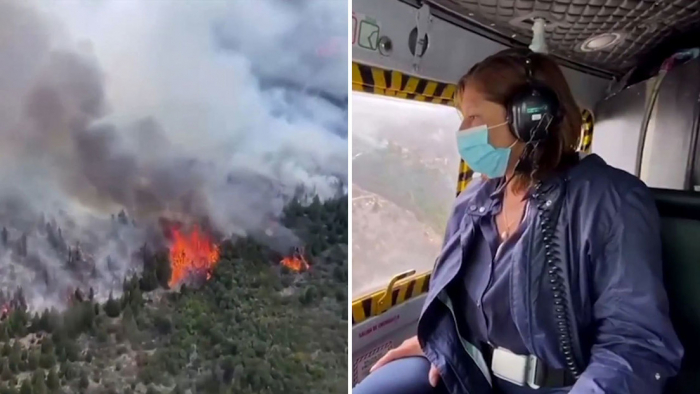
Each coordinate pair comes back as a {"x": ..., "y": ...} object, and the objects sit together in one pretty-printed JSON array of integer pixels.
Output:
[{"x": 514, "y": 368}]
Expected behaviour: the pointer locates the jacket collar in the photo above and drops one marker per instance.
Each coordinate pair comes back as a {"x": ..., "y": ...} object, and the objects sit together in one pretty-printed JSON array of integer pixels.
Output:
[{"x": 483, "y": 201}]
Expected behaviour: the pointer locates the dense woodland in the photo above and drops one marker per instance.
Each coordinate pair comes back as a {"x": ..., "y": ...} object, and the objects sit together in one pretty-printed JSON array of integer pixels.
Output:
[{"x": 254, "y": 327}]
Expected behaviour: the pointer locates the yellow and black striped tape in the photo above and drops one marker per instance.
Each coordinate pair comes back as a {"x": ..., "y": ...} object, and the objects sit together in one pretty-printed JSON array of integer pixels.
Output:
[
  {"x": 465, "y": 175},
  {"x": 370, "y": 306},
  {"x": 587, "y": 131},
  {"x": 397, "y": 84}
]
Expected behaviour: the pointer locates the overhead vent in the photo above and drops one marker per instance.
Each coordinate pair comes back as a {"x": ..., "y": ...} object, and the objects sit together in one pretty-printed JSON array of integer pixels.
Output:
[{"x": 601, "y": 41}]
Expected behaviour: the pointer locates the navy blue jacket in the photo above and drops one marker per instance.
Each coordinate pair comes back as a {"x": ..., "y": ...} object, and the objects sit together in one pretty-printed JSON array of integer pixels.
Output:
[{"x": 609, "y": 234}]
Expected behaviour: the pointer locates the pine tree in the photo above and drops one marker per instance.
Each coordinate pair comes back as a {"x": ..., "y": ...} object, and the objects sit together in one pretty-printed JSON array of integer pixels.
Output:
[
  {"x": 33, "y": 361},
  {"x": 84, "y": 380},
  {"x": 39, "y": 382},
  {"x": 48, "y": 320},
  {"x": 68, "y": 372},
  {"x": 15, "y": 360},
  {"x": 6, "y": 372},
  {"x": 52, "y": 381},
  {"x": 47, "y": 361},
  {"x": 135, "y": 300},
  {"x": 148, "y": 281},
  {"x": 72, "y": 350},
  {"x": 163, "y": 270},
  {"x": 112, "y": 307},
  {"x": 78, "y": 295},
  {"x": 26, "y": 387},
  {"x": 47, "y": 346},
  {"x": 34, "y": 323},
  {"x": 228, "y": 366}
]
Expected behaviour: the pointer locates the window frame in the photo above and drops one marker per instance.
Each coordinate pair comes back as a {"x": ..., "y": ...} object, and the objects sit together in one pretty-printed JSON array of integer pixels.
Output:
[{"x": 393, "y": 83}]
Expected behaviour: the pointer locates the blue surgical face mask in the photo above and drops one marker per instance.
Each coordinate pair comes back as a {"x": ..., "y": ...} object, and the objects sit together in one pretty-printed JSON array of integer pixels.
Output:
[{"x": 482, "y": 157}]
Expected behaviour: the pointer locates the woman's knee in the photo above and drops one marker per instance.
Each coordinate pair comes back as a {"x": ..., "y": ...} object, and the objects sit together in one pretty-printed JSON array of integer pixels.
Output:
[{"x": 403, "y": 376}]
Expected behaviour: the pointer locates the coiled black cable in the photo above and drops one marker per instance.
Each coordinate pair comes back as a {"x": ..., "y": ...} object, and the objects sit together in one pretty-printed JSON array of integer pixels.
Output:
[{"x": 557, "y": 280}]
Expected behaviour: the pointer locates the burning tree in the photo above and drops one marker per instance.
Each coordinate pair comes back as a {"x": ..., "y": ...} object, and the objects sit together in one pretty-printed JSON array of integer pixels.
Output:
[
  {"x": 297, "y": 261},
  {"x": 193, "y": 255}
]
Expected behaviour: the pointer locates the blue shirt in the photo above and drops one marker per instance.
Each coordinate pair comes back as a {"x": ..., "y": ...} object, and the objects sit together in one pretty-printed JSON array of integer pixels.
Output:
[{"x": 483, "y": 290}]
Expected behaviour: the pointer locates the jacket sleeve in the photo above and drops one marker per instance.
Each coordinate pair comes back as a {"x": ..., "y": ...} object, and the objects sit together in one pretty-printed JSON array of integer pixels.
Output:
[{"x": 635, "y": 348}]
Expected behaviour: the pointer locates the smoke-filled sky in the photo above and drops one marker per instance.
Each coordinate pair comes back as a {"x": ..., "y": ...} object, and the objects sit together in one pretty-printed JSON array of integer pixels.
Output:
[{"x": 165, "y": 108}]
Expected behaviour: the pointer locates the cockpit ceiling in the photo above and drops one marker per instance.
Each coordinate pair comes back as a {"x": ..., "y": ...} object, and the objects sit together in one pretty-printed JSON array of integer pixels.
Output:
[{"x": 640, "y": 25}]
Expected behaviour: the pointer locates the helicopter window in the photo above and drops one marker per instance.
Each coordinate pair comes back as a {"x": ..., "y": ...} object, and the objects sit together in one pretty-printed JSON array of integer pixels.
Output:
[{"x": 404, "y": 162}]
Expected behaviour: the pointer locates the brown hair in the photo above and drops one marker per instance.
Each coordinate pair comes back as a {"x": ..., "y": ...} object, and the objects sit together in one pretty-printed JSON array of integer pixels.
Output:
[{"x": 500, "y": 76}]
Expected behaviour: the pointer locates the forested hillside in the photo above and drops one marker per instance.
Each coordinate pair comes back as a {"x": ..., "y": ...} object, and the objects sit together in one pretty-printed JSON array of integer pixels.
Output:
[{"x": 255, "y": 326}]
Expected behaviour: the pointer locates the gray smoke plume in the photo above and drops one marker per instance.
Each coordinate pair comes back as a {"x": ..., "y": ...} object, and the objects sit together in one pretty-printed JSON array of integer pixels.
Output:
[{"x": 115, "y": 115}]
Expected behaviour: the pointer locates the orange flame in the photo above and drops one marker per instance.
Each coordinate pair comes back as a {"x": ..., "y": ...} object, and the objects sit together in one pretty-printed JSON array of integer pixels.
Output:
[
  {"x": 296, "y": 263},
  {"x": 192, "y": 254}
]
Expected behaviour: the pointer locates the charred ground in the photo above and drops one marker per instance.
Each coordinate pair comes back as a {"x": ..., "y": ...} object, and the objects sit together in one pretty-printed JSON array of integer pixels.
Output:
[{"x": 254, "y": 327}]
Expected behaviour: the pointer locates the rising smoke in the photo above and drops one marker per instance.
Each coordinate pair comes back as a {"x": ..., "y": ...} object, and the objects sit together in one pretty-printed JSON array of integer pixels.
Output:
[{"x": 213, "y": 111}]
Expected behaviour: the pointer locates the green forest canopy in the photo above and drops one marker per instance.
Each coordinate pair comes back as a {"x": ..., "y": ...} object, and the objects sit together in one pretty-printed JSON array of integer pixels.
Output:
[{"x": 255, "y": 327}]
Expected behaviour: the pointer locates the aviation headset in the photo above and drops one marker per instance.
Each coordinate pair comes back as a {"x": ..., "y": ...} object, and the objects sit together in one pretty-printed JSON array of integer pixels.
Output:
[{"x": 533, "y": 108}]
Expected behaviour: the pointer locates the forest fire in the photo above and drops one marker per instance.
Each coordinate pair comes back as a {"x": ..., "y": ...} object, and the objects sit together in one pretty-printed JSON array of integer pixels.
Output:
[
  {"x": 16, "y": 301},
  {"x": 297, "y": 262},
  {"x": 5, "y": 310},
  {"x": 192, "y": 254}
]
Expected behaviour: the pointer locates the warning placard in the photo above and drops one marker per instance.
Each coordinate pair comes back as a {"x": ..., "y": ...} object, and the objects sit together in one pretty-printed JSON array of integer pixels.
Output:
[{"x": 365, "y": 32}]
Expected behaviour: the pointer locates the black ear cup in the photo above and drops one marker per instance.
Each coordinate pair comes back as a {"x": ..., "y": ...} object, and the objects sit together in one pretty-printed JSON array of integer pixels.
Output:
[{"x": 532, "y": 109}]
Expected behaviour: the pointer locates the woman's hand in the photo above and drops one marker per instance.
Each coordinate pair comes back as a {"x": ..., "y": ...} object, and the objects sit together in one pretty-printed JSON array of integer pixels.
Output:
[{"x": 409, "y": 348}]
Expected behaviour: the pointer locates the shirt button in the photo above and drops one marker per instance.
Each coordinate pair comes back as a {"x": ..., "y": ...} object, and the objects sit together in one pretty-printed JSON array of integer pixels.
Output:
[
  {"x": 657, "y": 376},
  {"x": 472, "y": 208},
  {"x": 548, "y": 203},
  {"x": 482, "y": 209}
]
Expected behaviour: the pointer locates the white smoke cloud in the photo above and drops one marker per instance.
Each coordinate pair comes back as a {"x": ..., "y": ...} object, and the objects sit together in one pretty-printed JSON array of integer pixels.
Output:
[{"x": 216, "y": 109}]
